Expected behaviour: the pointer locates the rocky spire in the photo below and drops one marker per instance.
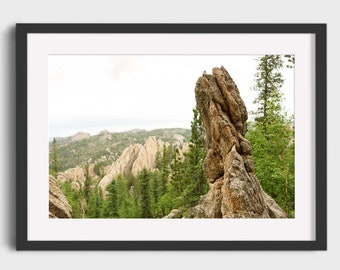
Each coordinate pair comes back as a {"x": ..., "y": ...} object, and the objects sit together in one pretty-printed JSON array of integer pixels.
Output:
[{"x": 234, "y": 192}]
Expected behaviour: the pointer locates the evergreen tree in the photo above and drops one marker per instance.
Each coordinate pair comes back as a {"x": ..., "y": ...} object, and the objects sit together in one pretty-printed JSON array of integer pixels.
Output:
[
  {"x": 177, "y": 174},
  {"x": 188, "y": 182},
  {"x": 272, "y": 135},
  {"x": 154, "y": 193},
  {"x": 164, "y": 197},
  {"x": 111, "y": 205},
  {"x": 268, "y": 81},
  {"x": 127, "y": 205},
  {"x": 165, "y": 171},
  {"x": 95, "y": 204},
  {"x": 99, "y": 202},
  {"x": 177, "y": 184},
  {"x": 196, "y": 183},
  {"x": 74, "y": 197},
  {"x": 158, "y": 161},
  {"x": 98, "y": 169},
  {"x": 145, "y": 196},
  {"x": 54, "y": 161},
  {"x": 154, "y": 180},
  {"x": 87, "y": 185}
]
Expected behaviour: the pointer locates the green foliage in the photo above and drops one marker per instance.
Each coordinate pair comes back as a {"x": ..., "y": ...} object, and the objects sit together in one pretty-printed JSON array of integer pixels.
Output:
[
  {"x": 87, "y": 184},
  {"x": 165, "y": 171},
  {"x": 272, "y": 135},
  {"x": 177, "y": 182},
  {"x": 188, "y": 182},
  {"x": 128, "y": 206},
  {"x": 98, "y": 168},
  {"x": 85, "y": 199},
  {"x": 154, "y": 186},
  {"x": 195, "y": 157},
  {"x": 273, "y": 153},
  {"x": 145, "y": 204},
  {"x": 97, "y": 149},
  {"x": 268, "y": 81},
  {"x": 111, "y": 205},
  {"x": 177, "y": 179},
  {"x": 75, "y": 199},
  {"x": 54, "y": 163},
  {"x": 120, "y": 201},
  {"x": 94, "y": 208}
]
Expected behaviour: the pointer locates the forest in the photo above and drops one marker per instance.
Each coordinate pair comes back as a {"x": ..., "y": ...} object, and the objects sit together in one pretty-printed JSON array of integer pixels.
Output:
[
  {"x": 178, "y": 182},
  {"x": 175, "y": 182}
]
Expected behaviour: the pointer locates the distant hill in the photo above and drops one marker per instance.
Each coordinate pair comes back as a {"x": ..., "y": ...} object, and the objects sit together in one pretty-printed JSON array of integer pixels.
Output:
[{"x": 106, "y": 147}]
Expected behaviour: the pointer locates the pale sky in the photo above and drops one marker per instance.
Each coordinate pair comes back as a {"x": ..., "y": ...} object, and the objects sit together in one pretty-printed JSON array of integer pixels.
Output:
[{"x": 91, "y": 93}]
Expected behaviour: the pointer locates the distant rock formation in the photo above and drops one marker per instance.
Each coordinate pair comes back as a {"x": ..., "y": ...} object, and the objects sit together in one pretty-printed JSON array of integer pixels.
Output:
[
  {"x": 105, "y": 135},
  {"x": 80, "y": 136},
  {"x": 58, "y": 204},
  {"x": 134, "y": 158},
  {"x": 234, "y": 192},
  {"x": 77, "y": 176},
  {"x": 74, "y": 174}
]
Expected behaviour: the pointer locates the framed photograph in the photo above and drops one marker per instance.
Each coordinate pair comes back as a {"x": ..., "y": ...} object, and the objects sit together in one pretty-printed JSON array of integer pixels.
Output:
[{"x": 171, "y": 136}]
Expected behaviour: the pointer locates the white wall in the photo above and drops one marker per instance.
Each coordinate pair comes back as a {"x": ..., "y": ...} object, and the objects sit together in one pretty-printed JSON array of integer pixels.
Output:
[{"x": 209, "y": 11}]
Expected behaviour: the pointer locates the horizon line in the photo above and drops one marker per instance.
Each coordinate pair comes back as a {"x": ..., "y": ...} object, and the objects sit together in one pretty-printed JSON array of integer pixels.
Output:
[{"x": 107, "y": 130}]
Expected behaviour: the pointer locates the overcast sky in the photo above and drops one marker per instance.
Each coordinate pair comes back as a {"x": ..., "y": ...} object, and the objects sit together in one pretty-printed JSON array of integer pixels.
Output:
[{"x": 90, "y": 93}]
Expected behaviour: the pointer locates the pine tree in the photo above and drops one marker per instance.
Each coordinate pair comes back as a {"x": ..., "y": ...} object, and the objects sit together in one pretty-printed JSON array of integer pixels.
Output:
[
  {"x": 54, "y": 160},
  {"x": 164, "y": 204},
  {"x": 158, "y": 161},
  {"x": 272, "y": 135},
  {"x": 196, "y": 183},
  {"x": 99, "y": 202},
  {"x": 268, "y": 81},
  {"x": 154, "y": 193},
  {"x": 74, "y": 197},
  {"x": 94, "y": 208},
  {"x": 127, "y": 203},
  {"x": 188, "y": 182},
  {"x": 177, "y": 174},
  {"x": 165, "y": 170},
  {"x": 177, "y": 183},
  {"x": 145, "y": 196},
  {"x": 154, "y": 177},
  {"x": 87, "y": 185},
  {"x": 111, "y": 205}
]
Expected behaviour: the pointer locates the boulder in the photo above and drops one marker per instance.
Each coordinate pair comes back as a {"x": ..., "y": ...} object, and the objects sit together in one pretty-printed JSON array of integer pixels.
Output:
[{"x": 174, "y": 213}]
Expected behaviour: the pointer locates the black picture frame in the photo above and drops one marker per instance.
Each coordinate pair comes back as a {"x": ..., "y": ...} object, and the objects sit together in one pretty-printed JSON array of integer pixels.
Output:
[{"x": 319, "y": 31}]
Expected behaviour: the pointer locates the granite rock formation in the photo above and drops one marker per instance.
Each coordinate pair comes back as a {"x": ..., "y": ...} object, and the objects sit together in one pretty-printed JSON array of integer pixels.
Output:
[
  {"x": 80, "y": 136},
  {"x": 133, "y": 159},
  {"x": 76, "y": 176},
  {"x": 58, "y": 204},
  {"x": 136, "y": 157},
  {"x": 234, "y": 191}
]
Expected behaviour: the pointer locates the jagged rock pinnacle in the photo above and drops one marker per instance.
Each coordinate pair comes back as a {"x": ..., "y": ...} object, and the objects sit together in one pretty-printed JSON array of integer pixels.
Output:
[{"x": 234, "y": 192}]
